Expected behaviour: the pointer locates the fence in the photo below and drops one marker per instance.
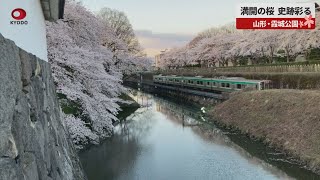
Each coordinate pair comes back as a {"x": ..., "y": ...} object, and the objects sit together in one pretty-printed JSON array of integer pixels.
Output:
[{"x": 314, "y": 68}]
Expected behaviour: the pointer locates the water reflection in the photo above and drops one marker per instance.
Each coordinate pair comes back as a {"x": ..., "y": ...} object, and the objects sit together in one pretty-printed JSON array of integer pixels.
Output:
[
  {"x": 176, "y": 114},
  {"x": 208, "y": 132},
  {"x": 164, "y": 140}
]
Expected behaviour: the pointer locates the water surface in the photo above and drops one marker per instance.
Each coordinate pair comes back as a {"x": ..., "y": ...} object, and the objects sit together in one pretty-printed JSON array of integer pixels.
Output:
[{"x": 166, "y": 141}]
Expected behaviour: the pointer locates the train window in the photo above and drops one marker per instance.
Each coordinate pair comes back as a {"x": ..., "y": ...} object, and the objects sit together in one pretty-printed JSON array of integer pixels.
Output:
[
  {"x": 201, "y": 82},
  {"x": 238, "y": 86},
  {"x": 214, "y": 84},
  {"x": 208, "y": 83},
  {"x": 223, "y": 85},
  {"x": 189, "y": 81},
  {"x": 227, "y": 85}
]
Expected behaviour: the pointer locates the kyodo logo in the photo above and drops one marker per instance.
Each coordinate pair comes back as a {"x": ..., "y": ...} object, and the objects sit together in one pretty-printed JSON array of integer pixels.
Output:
[{"x": 19, "y": 15}]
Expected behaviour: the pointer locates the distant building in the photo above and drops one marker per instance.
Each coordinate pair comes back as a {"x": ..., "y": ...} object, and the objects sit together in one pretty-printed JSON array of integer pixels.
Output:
[{"x": 158, "y": 59}]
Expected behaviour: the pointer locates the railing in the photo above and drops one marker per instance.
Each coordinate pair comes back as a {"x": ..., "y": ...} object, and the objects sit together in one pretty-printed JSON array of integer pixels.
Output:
[
  {"x": 314, "y": 68},
  {"x": 281, "y": 68}
]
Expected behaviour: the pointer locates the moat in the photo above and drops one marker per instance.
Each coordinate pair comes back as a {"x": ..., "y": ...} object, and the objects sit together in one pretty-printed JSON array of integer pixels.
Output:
[{"x": 169, "y": 140}]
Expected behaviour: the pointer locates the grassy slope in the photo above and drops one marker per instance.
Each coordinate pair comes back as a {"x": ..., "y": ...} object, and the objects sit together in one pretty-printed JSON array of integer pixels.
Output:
[{"x": 287, "y": 119}]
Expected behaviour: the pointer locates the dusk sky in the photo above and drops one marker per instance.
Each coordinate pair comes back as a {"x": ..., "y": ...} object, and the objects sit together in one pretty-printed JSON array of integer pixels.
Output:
[{"x": 161, "y": 24}]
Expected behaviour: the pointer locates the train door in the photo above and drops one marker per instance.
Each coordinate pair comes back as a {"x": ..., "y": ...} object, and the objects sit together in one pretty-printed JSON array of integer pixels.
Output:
[
  {"x": 258, "y": 86},
  {"x": 262, "y": 86}
]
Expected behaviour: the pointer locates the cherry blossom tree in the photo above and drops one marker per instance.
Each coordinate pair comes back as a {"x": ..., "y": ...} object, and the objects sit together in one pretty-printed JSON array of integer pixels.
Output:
[
  {"x": 121, "y": 27},
  {"x": 226, "y": 44},
  {"x": 88, "y": 71}
]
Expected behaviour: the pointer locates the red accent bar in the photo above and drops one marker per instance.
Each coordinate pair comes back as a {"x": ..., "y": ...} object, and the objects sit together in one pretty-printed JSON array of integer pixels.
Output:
[{"x": 275, "y": 23}]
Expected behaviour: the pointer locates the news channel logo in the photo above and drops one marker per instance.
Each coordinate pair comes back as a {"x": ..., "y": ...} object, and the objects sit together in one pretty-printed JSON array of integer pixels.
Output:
[{"x": 19, "y": 15}]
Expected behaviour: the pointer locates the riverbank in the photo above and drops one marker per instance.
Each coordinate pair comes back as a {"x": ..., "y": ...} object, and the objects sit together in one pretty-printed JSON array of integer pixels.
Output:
[{"x": 285, "y": 119}]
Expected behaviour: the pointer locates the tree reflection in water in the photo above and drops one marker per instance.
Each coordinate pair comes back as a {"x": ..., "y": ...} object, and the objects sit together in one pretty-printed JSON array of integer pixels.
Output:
[{"x": 119, "y": 153}]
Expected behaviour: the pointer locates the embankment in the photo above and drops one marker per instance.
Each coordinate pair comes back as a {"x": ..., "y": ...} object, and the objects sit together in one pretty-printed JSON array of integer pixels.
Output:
[{"x": 285, "y": 119}]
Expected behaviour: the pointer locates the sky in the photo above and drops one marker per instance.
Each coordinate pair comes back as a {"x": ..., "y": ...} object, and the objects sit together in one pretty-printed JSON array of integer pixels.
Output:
[{"x": 161, "y": 24}]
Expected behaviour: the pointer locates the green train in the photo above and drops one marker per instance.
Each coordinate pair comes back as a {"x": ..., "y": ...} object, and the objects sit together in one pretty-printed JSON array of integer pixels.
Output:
[{"x": 212, "y": 84}]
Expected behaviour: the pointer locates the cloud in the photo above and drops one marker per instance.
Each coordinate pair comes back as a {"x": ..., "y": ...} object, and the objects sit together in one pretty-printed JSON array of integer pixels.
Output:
[
  {"x": 155, "y": 42},
  {"x": 168, "y": 36}
]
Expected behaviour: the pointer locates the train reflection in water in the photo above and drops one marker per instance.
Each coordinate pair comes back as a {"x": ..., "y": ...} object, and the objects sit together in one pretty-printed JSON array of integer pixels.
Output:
[
  {"x": 184, "y": 116},
  {"x": 254, "y": 152}
]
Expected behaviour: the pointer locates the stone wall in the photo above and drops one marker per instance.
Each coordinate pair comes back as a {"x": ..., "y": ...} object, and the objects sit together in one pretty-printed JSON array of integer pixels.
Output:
[{"x": 33, "y": 141}]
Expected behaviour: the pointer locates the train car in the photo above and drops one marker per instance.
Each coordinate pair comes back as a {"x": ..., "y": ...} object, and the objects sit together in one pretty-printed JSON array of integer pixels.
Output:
[{"x": 212, "y": 84}]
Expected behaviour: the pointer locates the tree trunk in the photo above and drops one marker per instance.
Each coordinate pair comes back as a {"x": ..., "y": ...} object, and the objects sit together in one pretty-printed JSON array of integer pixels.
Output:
[
  {"x": 288, "y": 54},
  {"x": 271, "y": 54}
]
